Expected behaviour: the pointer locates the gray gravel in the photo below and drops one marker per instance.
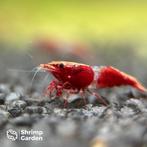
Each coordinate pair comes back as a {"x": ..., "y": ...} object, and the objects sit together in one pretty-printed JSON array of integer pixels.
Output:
[{"x": 123, "y": 123}]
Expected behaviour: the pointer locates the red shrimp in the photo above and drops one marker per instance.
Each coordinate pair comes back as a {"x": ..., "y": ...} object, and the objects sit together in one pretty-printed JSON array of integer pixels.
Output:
[{"x": 80, "y": 78}]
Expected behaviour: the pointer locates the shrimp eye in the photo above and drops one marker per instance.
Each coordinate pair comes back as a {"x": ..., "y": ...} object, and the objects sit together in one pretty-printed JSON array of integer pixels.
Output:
[{"x": 61, "y": 65}]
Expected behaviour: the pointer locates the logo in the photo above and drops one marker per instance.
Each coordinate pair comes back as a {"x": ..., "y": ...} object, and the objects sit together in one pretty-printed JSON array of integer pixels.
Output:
[
  {"x": 12, "y": 135},
  {"x": 25, "y": 135}
]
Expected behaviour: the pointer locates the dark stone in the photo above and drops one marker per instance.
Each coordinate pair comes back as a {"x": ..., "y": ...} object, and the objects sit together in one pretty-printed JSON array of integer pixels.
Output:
[
  {"x": 16, "y": 111},
  {"x": 2, "y": 98},
  {"x": 34, "y": 109},
  {"x": 36, "y": 101}
]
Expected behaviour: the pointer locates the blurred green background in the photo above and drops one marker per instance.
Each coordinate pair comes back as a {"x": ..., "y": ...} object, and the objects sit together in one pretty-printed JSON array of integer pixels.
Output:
[
  {"x": 113, "y": 31},
  {"x": 78, "y": 19}
]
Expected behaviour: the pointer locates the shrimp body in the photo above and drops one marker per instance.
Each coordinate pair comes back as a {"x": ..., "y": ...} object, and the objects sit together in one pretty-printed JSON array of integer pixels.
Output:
[{"x": 76, "y": 77}]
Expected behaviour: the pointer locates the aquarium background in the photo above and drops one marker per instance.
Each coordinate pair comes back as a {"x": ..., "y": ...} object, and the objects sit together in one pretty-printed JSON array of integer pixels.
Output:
[{"x": 93, "y": 32}]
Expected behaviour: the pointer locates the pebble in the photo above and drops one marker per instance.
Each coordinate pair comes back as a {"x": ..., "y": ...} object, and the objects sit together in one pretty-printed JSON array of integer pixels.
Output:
[
  {"x": 4, "y": 88},
  {"x": 127, "y": 112},
  {"x": 16, "y": 107},
  {"x": 35, "y": 109},
  {"x": 94, "y": 111},
  {"x": 3, "y": 107},
  {"x": 16, "y": 111},
  {"x": 60, "y": 112},
  {"x": 36, "y": 101},
  {"x": 135, "y": 104},
  {"x": 2, "y": 98},
  {"x": 5, "y": 113},
  {"x": 12, "y": 96},
  {"x": 18, "y": 103}
]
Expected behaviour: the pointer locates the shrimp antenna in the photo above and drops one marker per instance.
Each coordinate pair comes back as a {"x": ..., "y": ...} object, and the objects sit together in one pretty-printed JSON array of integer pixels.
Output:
[
  {"x": 21, "y": 70},
  {"x": 37, "y": 70}
]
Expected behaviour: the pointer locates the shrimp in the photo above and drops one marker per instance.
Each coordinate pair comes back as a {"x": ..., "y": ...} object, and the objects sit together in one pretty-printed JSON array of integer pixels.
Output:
[{"x": 80, "y": 78}]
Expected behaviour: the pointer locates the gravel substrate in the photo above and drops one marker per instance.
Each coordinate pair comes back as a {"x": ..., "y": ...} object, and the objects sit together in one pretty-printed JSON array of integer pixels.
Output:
[{"x": 123, "y": 123}]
